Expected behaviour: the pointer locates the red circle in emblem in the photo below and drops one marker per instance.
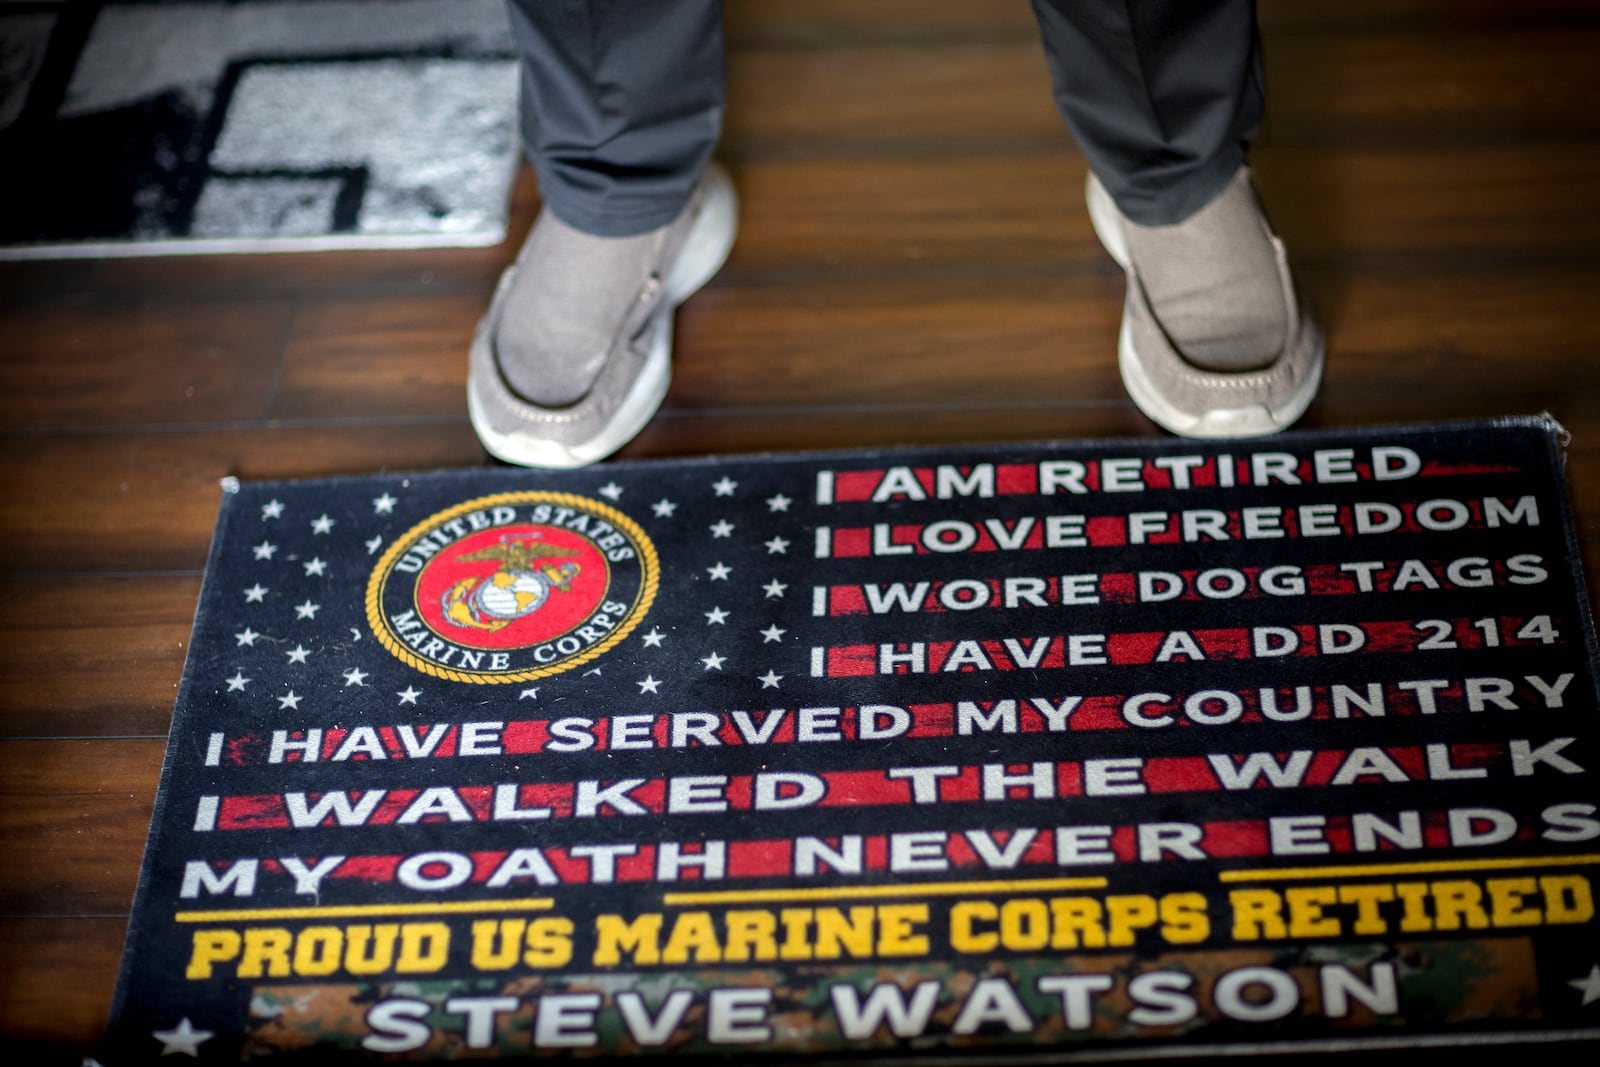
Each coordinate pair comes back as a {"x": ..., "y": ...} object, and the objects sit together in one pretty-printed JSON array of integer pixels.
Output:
[{"x": 523, "y": 585}]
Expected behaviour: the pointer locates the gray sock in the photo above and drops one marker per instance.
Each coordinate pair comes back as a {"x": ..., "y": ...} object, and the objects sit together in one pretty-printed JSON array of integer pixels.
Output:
[
  {"x": 571, "y": 294},
  {"x": 1213, "y": 282}
]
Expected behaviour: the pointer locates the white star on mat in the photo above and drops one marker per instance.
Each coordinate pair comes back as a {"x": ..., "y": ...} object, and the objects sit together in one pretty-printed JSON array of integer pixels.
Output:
[
  {"x": 716, "y": 617},
  {"x": 725, "y": 487},
  {"x": 611, "y": 491},
  {"x": 1589, "y": 985},
  {"x": 322, "y": 524},
  {"x": 374, "y": 544},
  {"x": 290, "y": 701},
  {"x": 654, "y": 638},
  {"x": 383, "y": 505},
  {"x": 663, "y": 508},
  {"x": 255, "y": 594},
  {"x": 772, "y": 633},
  {"x": 530, "y": 693},
  {"x": 778, "y": 546},
  {"x": 774, "y": 589},
  {"x": 719, "y": 572},
  {"x": 183, "y": 1038},
  {"x": 770, "y": 680},
  {"x": 408, "y": 695},
  {"x": 237, "y": 683},
  {"x": 265, "y": 550},
  {"x": 649, "y": 685},
  {"x": 713, "y": 662},
  {"x": 272, "y": 509},
  {"x": 778, "y": 503},
  {"x": 722, "y": 528},
  {"x": 308, "y": 610},
  {"x": 246, "y": 637},
  {"x": 298, "y": 654},
  {"x": 592, "y": 670},
  {"x": 355, "y": 676},
  {"x": 316, "y": 565}
]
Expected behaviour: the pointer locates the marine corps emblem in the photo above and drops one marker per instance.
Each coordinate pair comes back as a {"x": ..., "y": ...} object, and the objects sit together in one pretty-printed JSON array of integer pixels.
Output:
[
  {"x": 520, "y": 587},
  {"x": 512, "y": 587}
]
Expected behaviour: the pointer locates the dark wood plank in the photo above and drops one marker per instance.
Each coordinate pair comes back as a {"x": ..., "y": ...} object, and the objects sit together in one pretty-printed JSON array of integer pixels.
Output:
[
  {"x": 1434, "y": 207},
  {"x": 1444, "y": 82},
  {"x": 813, "y": 23},
  {"x": 1517, "y": 335},
  {"x": 336, "y": 357},
  {"x": 149, "y": 502},
  {"x": 1011, "y": 211},
  {"x": 1390, "y": 16},
  {"x": 1020, "y": 340},
  {"x": 935, "y": 340},
  {"x": 55, "y": 990},
  {"x": 685, "y": 432},
  {"x": 109, "y": 670},
  {"x": 287, "y": 274},
  {"x": 74, "y": 817},
  {"x": 795, "y": 102},
  {"x": 1025, "y": 211},
  {"x": 931, "y": 342},
  {"x": 24, "y": 279},
  {"x": 93, "y": 364}
]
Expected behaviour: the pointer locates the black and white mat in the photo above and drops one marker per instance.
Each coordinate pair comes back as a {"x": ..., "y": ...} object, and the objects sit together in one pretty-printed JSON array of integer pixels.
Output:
[
  {"x": 1125, "y": 749},
  {"x": 172, "y": 126}
]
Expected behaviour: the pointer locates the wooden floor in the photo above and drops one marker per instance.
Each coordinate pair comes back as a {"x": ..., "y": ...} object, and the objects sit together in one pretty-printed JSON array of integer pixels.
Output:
[{"x": 915, "y": 265}]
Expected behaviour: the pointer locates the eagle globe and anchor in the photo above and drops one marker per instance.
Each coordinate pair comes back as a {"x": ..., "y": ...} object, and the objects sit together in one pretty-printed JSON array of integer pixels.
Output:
[
  {"x": 530, "y": 572},
  {"x": 512, "y": 586}
]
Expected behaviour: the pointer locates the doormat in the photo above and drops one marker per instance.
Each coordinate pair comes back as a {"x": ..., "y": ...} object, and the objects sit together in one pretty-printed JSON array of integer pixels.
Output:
[
  {"x": 1132, "y": 748},
  {"x": 254, "y": 125}
]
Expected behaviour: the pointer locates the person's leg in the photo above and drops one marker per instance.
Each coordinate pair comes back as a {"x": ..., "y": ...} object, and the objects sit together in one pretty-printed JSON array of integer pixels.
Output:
[
  {"x": 1163, "y": 97},
  {"x": 622, "y": 105}
]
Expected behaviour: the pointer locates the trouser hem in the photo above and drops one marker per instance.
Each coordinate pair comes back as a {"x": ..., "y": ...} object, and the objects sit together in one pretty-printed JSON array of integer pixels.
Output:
[{"x": 1173, "y": 204}]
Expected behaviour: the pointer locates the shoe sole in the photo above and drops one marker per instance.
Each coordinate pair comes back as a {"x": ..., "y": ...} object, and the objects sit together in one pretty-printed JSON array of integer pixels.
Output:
[
  {"x": 1218, "y": 423},
  {"x": 1254, "y": 421},
  {"x": 705, "y": 250}
]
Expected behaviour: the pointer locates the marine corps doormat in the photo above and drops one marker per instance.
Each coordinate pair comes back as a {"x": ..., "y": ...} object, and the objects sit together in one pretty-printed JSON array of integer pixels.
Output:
[
  {"x": 1073, "y": 750},
  {"x": 139, "y": 127}
]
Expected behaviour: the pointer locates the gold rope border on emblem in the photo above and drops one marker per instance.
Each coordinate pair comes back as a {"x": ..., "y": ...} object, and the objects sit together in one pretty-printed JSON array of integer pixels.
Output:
[{"x": 649, "y": 584}]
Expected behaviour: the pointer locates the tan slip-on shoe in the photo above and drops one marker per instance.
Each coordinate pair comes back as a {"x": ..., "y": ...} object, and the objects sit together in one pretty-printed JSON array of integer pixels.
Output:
[
  {"x": 1179, "y": 391},
  {"x": 590, "y": 366}
]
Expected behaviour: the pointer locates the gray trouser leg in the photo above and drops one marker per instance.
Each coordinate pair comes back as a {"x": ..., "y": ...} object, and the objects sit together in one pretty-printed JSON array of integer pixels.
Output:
[
  {"x": 1162, "y": 95},
  {"x": 622, "y": 105}
]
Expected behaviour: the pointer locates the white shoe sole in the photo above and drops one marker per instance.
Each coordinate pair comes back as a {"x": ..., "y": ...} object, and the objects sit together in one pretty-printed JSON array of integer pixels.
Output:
[
  {"x": 704, "y": 252},
  {"x": 1253, "y": 421}
]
